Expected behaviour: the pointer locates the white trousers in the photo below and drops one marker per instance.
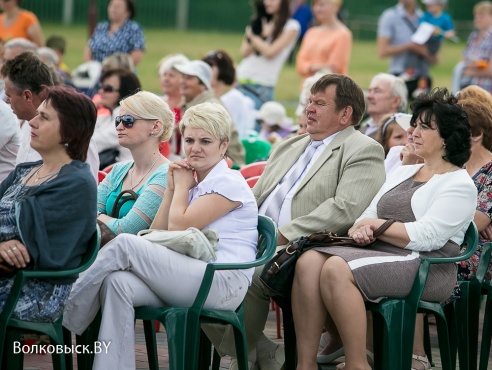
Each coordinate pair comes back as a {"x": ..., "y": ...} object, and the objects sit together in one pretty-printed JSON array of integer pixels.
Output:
[{"x": 131, "y": 272}]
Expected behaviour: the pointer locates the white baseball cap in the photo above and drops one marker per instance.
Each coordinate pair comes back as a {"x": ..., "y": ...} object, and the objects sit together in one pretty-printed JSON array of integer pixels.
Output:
[
  {"x": 199, "y": 69},
  {"x": 273, "y": 113}
]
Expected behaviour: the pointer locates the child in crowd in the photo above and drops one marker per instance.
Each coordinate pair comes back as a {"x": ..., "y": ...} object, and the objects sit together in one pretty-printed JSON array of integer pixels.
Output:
[
  {"x": 275, "y": 125},
  {"x": 393, "y": 131},
  {"x": 59, "y": 45}
]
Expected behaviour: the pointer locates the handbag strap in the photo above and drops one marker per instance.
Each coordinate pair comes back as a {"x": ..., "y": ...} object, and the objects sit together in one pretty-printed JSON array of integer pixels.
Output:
[
  {"x": 117, "y": 205},
  {"x": 381, "y": 229}
]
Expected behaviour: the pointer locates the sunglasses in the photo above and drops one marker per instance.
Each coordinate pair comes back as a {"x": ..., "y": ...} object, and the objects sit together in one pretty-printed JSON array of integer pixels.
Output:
[
  {"x": 128, "y": 121},
  {"x": 109, "y": 89}
]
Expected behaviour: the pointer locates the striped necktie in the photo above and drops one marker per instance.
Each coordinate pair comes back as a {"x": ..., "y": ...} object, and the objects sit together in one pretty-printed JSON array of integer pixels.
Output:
[{"x": 286, "y": 184}]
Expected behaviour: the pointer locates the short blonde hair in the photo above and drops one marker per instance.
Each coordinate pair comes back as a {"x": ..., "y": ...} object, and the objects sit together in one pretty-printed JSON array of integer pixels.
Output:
[
  {"x": 483, "y": 7},
  {"x": 171, "y": 61},
  {"x": 211, "y": 117},
  {"x": 148, "y": 105}
]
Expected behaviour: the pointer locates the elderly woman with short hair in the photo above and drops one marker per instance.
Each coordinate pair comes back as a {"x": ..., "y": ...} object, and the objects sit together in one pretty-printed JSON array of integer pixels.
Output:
[{"x": 131, "y": 271}]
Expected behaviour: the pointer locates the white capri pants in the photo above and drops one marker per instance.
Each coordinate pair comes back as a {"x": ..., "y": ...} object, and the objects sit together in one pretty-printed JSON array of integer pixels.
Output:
[{"x": 131, "y": 272}]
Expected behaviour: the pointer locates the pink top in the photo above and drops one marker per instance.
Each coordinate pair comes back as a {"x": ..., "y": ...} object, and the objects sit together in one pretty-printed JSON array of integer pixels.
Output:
[{"x": 321, "y": 45}]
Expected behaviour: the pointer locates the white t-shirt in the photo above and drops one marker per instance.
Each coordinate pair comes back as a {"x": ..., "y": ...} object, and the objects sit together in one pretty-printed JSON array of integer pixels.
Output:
[
  {"x": 241, "y": 108},
  {"x": 9, "y": 140},
  {"x": 265, "y": 71}
]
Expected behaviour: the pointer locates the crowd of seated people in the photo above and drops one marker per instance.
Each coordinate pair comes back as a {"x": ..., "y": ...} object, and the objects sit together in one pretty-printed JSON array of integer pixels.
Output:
[{"x": 425, "y": 164}]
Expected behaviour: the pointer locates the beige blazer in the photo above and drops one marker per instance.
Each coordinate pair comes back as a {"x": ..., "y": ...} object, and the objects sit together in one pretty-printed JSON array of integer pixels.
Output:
[{"x": 337, "y": 188}]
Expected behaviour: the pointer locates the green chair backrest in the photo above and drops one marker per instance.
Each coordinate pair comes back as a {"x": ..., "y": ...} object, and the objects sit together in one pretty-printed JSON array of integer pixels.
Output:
[{"x": 256, "y": 149}]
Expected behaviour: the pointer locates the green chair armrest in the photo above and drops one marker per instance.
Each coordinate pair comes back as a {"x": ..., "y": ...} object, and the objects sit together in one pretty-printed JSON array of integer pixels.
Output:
[
  {"x": 267, "y": 243},
  {"x": 484, "y": 262},
  {"x": 471, "y": 240},
  {"x": 22, "y": 275}
]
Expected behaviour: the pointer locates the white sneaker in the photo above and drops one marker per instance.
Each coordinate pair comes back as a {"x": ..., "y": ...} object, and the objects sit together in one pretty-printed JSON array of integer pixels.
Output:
[
  {"x": 235, "y": 366},
  {"x": 271, "y": 360},
  {"x": 324, "y": 340}
]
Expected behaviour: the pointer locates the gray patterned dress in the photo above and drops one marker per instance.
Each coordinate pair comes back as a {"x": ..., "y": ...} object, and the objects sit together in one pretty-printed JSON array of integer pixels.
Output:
[
  {"x": 383, "y": 270},
  {"x": 41, "y": 300}
]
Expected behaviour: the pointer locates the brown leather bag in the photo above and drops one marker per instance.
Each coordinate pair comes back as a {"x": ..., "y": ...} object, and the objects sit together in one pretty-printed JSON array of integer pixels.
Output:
[
  {"x": 106, "y": 233},
  {"x": 278, "y": 273}
]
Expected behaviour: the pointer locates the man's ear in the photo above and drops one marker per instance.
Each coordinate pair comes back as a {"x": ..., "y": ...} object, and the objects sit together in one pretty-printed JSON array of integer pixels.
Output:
[
  {"x": 27, "y": 95},
  {"x": 346, "y": 116}
]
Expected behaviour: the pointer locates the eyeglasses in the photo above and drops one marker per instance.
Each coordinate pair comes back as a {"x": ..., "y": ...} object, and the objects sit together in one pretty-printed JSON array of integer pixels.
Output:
[
  {"x": 109, "y": 89},
  {"x": 128, "y": 121}
]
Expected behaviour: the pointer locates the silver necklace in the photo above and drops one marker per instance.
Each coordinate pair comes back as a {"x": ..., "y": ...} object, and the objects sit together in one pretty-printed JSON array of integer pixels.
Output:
[
  {"x": 132, "y": 187},
  {"x": 46, "y": 177}
]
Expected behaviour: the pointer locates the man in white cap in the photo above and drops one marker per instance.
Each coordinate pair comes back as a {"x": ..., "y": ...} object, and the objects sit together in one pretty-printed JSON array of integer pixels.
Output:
[{"x": 196, "y": 89}]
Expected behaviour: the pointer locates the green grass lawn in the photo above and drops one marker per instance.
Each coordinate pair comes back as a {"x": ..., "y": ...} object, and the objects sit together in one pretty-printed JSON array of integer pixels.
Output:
[{"x": 364, "y": 61}]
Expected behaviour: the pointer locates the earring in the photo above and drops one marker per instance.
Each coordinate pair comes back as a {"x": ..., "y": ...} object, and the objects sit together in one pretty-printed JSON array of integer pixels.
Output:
[
  {"x": 151, "y": 134},
  {"x": 66, "y": 145}
]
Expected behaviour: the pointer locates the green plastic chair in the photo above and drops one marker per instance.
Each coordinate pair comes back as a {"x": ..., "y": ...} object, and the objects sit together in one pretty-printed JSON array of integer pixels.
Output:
[
  {"x": 487, "y": 321},
  {"x": 11, "y": 329},
  {"x": 466, "y": 314},
  {"x": 394, "y": 319},
  {"x": 183, "y": 323},
  {"x": 256, "y": 149}
]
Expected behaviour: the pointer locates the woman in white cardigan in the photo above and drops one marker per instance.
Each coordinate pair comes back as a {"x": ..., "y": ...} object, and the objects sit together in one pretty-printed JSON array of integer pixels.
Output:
[{"x": 433, "y": 204}]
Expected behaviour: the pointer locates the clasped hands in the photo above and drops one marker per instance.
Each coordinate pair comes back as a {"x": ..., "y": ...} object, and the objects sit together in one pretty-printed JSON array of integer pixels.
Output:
[
  {"x": 180, "y": 174},
  {"x": 14, "y": 253},
  {"x": 363, "y": 231}
]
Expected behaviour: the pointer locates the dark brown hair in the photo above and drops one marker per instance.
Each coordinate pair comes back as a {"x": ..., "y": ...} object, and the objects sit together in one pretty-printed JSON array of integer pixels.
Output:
[
  {"x": 224, "y": 64},
  {"x": 129, "y": 82},
  {"x": 77, "y": 116},
  {"x": 27, "y": 72},
  {"x": 347, "y": 94}
]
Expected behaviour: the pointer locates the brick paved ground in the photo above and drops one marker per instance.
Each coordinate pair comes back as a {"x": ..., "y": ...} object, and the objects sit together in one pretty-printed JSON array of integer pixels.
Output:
[{"x": 42, "y": 362}]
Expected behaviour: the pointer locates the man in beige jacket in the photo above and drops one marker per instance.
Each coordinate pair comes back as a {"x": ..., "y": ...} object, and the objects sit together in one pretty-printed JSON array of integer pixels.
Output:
[{"x": 334, "y": 187}]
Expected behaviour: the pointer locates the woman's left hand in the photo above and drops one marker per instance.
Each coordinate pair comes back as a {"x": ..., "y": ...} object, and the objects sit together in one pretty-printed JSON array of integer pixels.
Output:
[
  {"x": 363, "y": 235},
  {"x": 183, "y": 178},
  {"x": 363, "y": 231},
  {"x": 14, "y": 253}
]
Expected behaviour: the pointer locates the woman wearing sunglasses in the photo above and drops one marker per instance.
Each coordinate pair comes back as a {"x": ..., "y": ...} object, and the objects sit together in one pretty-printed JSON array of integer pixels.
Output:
[
  {"x": 115, "y": 85},
  {"x": 131, "y": 271},
  {"x": 144, "y": 122}
]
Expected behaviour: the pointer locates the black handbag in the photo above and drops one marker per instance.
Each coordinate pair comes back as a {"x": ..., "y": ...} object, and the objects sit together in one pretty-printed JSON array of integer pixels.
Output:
[
  {"x": 278, "y": 273},
  {"x": 108, "y": 157},
  {"x": 106, "y": 233}
]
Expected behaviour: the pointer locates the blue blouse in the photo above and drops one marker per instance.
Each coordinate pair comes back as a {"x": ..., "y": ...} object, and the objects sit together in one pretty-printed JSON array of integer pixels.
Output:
[
  {"x": 126, "y": 39},
  {"x": 134, "y": 216}
]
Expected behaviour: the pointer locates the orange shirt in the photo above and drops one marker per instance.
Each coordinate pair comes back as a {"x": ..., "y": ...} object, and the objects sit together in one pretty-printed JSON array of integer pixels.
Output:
[
  {"x": 24, "y": 20},
  {"x": 321, "y": 45}
]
